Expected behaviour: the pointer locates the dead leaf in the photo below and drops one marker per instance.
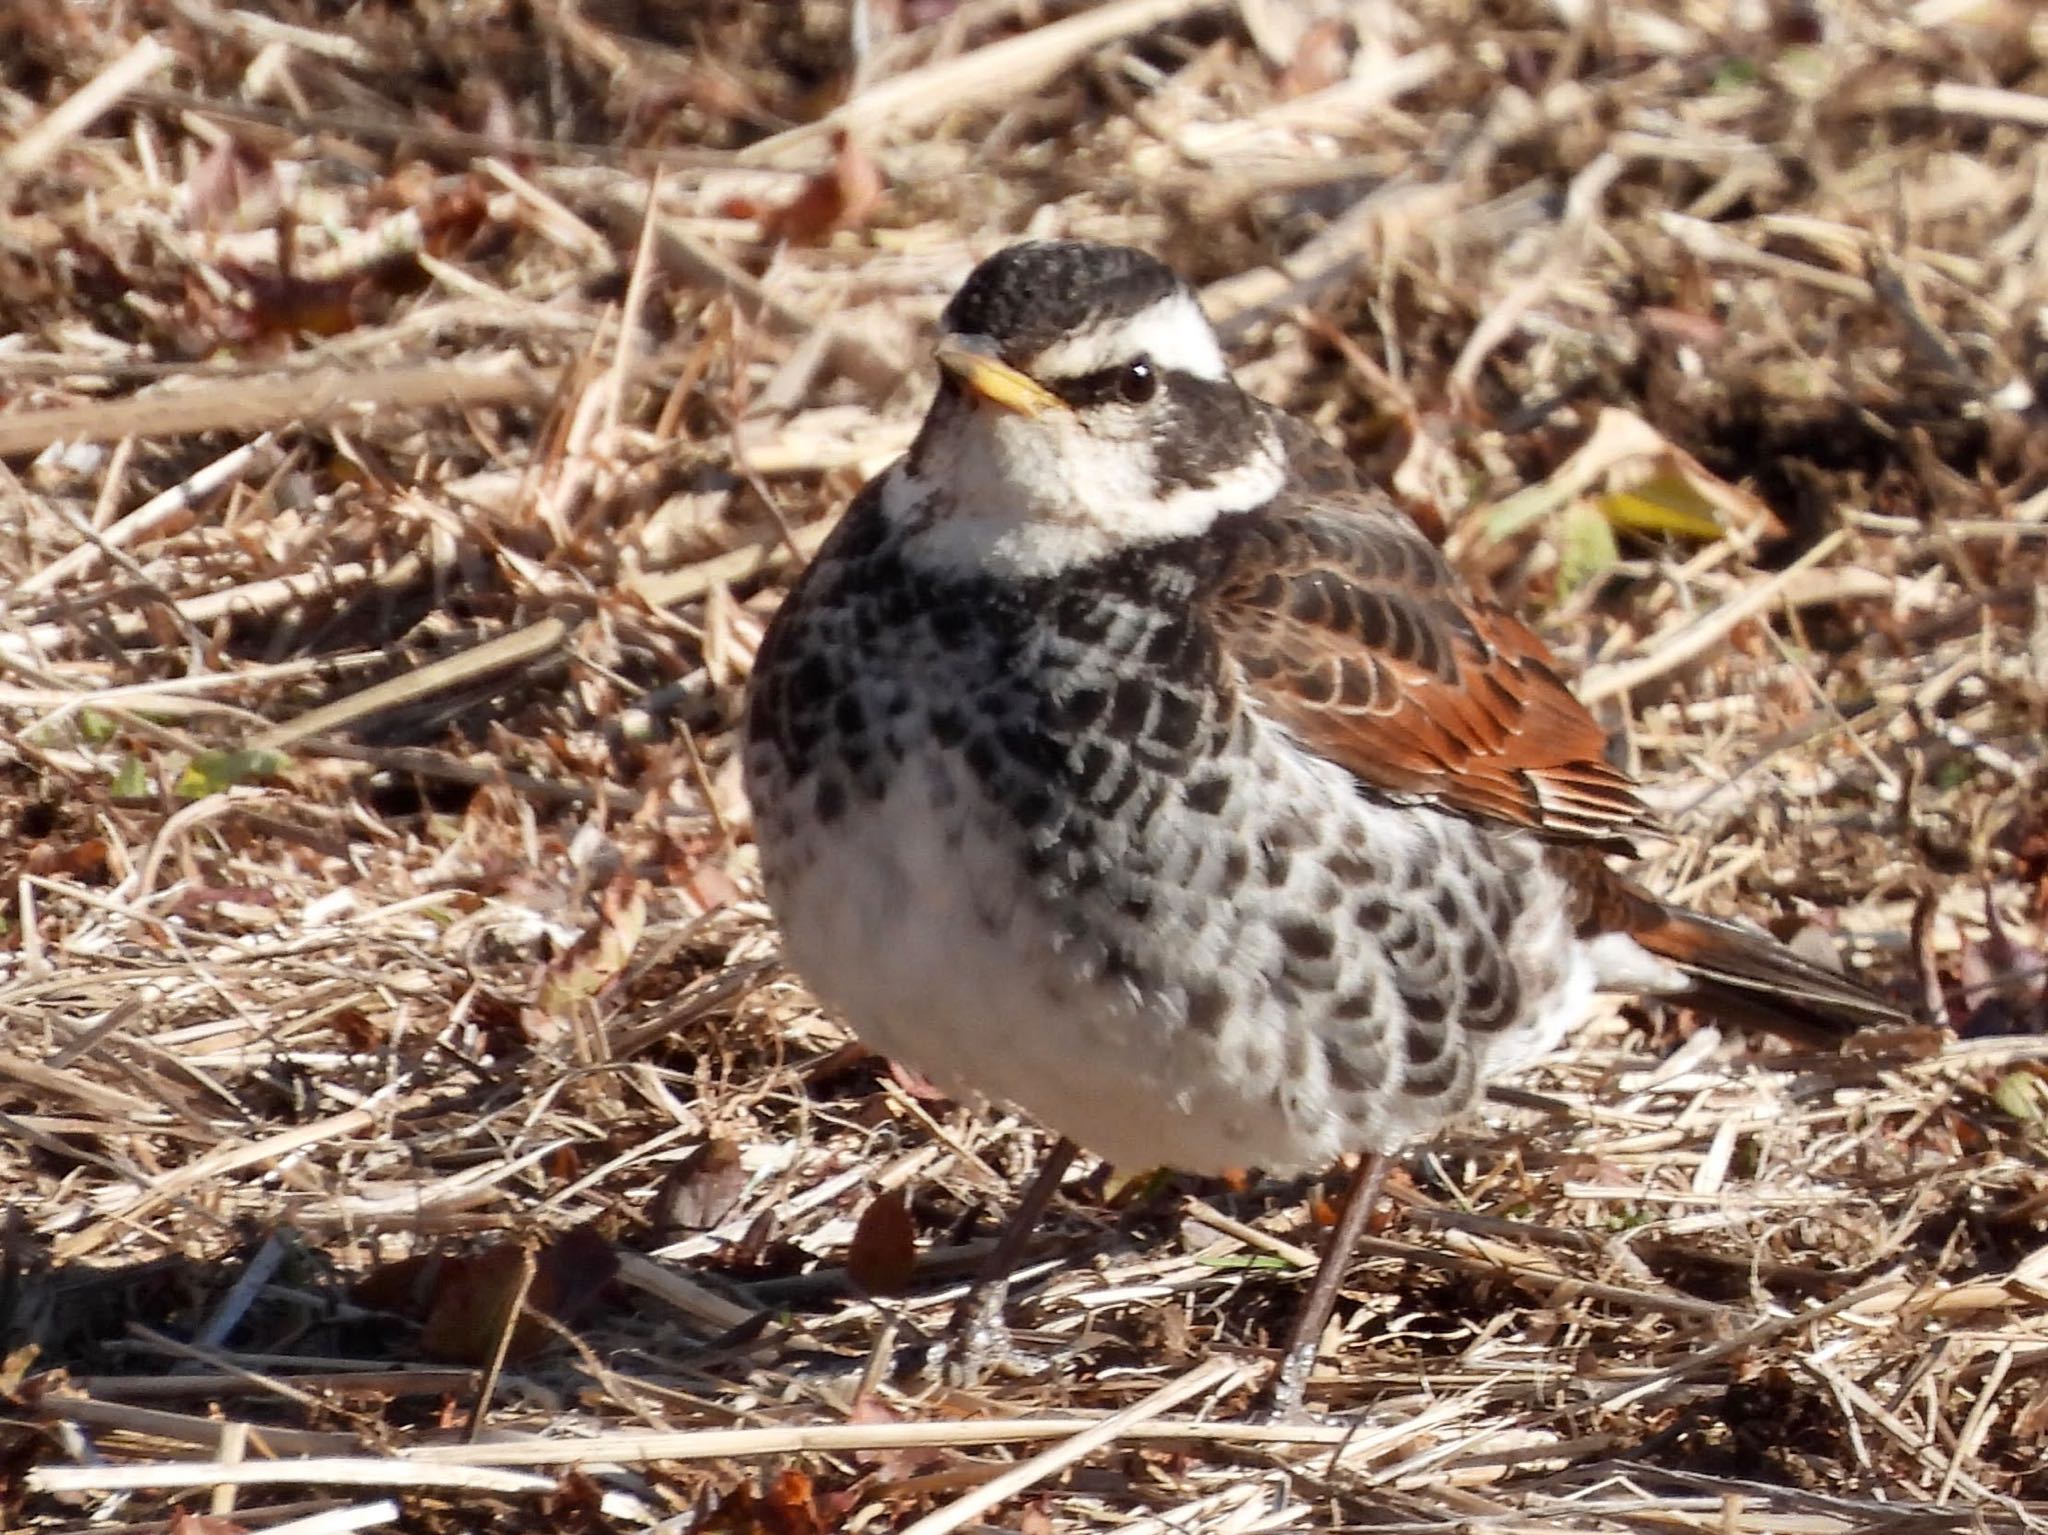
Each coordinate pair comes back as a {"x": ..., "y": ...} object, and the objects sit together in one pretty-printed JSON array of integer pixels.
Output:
[
  {"x": 185, "y": 1522},
  {"x": 701, "y": 1190},
  {"x": 588, "y": 967},
  {"x": 713, "y": 887},
  {"x": 787, "y": 1506},
  {"x": 1123, "y": 1190},
  {"x": 14, "y": 1369},
  {"x": 85, "y": 860},
  {"x": 1665, "y": 502},
  {"x": 462, "y": 1300},
  {"x": 883, "y": 1255},
  {"x": 893, "y": 1465},
  {"x": 752, "y": 1250},
  {"x": 1321, "y": 58},
  {"x": 841, "y": 197},
  {"x": 563, "y": 1164},
  {"x": 1647, "y": 483},
  {"x": 1683, "y": 326},
  {"x": 572, "y": 1274},
  {"x": 575, "y": 1503},
  {"x": 402, "y": 1288},
  {"x": 1913, "y": 1041},
  {"x": 2031, "y": 1421},
  {"x": 233, "y": 185},
  {"x": 1586, "y": 549},
  {"x": 472, "y": 1304}
]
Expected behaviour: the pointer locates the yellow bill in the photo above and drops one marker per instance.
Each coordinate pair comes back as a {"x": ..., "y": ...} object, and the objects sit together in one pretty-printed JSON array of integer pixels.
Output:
[{"x": 996, "y": 381}]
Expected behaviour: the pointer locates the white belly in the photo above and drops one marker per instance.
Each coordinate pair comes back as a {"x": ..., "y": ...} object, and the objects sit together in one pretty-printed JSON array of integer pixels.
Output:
[
  {"x": 912, "y": 924},
  {"x": 908, "y": 916}
]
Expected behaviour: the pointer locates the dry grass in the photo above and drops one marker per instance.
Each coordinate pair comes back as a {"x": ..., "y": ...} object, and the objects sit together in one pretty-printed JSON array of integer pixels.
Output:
[{"x": 391, "y": 497}]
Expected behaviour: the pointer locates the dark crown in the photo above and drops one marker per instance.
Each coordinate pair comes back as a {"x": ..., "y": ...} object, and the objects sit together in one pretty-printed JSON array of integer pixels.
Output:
[{"x": 1029, "y": 296}]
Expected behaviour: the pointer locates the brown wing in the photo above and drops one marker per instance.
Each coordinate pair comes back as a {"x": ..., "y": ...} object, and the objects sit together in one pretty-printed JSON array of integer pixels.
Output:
[{"x": 1357, "y": 637}]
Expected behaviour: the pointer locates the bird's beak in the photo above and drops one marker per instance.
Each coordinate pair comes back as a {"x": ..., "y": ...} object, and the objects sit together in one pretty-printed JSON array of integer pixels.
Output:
[{"x": 994, "y": 380}]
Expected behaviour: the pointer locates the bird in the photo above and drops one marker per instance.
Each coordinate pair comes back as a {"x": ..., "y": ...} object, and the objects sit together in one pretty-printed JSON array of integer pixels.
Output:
[{"x": 1124, "y": 757}]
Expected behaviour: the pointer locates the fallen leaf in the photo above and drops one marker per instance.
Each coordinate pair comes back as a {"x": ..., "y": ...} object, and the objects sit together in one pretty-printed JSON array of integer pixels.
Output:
[
  {"x": 576, "y": 1502},
  {"x": 752, "y": 1250},
  {"x": 841, "y": 197},
  {"x": 2031, "y": 1421},
  {"x": 1323, "y": 1211},
  {"x": 215, "y": 772},
  {"x": 472, "y": 1305},
  {"x": 787, "y": 1506},
  {"x": 2024, "y": 1096},
  {"x": 130, "y": 780},
  {"x": 1321, "y": 58},
  {"x": 85, "y": 860},
  {"x": 185, "y": 1522},
  {"x": 1684, "y": 326},
  {"x": 701, "y": 1190},
  {"x": 1666, "y": 502},
  {"x": 277, "y": 306},
  {"x": 1586, "y": 548},
  {"x": 234, "y": 185},
  {"x": 883, "y": 1254},
  {"x": 1123, "y": 1190},
  {"x": 920, "y": 1088},
  {"x": 1646, "y": 484},
  {"x": 590, "y": 965},
  {"x": 15, "y": 1367},
  {"x": 893, "y": 1465},
  {"x": 572, "y": 1273},
  {"x": 563, "y": 1164},
  {"x": 463, "y": 1300}
]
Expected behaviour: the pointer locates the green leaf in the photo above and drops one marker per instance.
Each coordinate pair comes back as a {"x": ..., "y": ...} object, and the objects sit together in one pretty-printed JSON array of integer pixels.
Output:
[
  {"x": 1585, "y": 546},
  {"x": 216, "y": 771},
  {"x": 1954, "y": 773},
  {"x": 1734, "y": 74},
  {"x": 1257, "y": 1263},
  {"x": 2022, "y": 1095},
  {"x": 97, "y": 728},
  {"x": 130, "y": 780},
  {"x": 1664, "y": 503},
  {"x": 1525, "y": 508}
]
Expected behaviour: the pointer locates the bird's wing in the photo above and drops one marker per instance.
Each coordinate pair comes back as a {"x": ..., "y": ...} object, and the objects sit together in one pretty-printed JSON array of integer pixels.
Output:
[{"x": 1353, "y": 633}]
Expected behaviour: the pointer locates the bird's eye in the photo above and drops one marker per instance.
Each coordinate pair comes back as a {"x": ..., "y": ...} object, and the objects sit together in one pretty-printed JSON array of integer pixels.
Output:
[
  {"x": 1133, "y": 383},
  {"x": 1137, "y": 382}
]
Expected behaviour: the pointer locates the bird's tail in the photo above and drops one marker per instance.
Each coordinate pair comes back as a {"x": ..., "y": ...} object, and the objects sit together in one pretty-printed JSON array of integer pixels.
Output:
[
  {"x": 1738, "y": 973},
  {"x": 1747, "y": 976}
]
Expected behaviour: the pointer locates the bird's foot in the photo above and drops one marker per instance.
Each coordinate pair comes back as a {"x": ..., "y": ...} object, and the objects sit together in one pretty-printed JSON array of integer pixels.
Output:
[
  {"x": 976, "y": 1337},
  {"x": 1285, "y": 1398},
  {"x": 978, "y": 1341}
]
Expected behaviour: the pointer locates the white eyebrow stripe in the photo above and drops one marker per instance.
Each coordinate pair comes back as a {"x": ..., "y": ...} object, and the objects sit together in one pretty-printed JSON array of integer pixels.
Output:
[{"x": 1173, "y": 332}]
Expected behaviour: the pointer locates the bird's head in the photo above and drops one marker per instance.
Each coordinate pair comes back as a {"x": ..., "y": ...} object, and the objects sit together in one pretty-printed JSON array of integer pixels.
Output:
[{"x": 1084, "y": 406}]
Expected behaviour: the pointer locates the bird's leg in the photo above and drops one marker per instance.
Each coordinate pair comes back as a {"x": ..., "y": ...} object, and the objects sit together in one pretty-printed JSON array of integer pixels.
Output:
[
  {"x": 1290, "y": 1381},
  {"x": 977, "y": 1333}
]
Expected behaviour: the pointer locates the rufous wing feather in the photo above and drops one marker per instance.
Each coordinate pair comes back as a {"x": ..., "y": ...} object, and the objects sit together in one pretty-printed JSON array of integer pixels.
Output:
[
  {"x": 1353, "y": 634},
  {"x": 1356, "y": 636}
]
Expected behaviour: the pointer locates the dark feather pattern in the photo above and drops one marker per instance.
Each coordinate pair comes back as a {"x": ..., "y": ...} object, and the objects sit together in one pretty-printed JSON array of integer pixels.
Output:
[
  {"x": 1353, "y": 632},
  {"x": 1358, "y": 638}
]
